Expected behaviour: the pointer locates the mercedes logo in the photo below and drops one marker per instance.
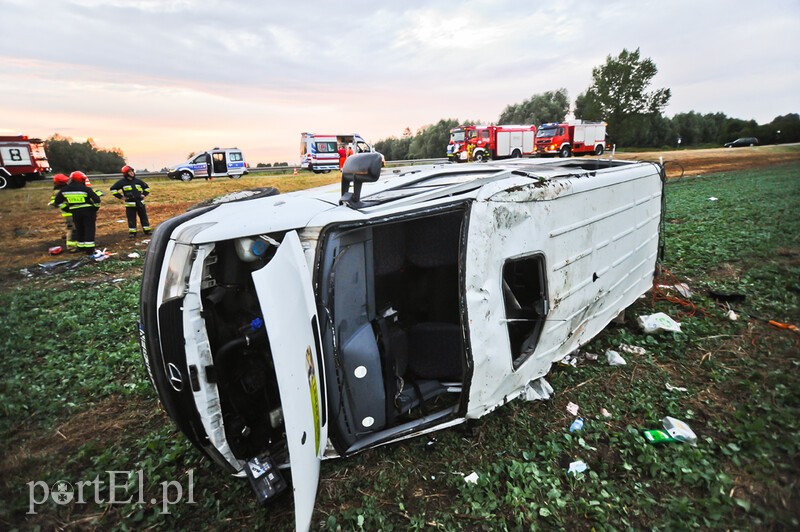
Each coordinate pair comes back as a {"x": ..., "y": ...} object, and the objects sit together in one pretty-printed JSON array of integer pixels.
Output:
[{"x": 175, "y": 379}]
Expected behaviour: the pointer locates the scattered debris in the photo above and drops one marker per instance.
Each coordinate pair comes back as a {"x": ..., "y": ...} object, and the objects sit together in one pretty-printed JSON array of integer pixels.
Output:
[
  {"x": 632, "y": 349},
  {"x": 55, "y": 250},
  {"x": 119, "y": 280},
  {"x": 727, "y": 297},
  {"x": 732, "y": 315},
  {"x": 472, "y": 478},
  {"x": 576, "y": 467},
  {"x": 572, "y": 408},
  {"x": 577, "y": 425},
  {"x": 605, "y": 413},
  {"x": 712, "y": 198},
  {"x": 591, "y": 356},
  {"x": 683, "y": 289},
  {"x": 658, "y": 322},
  {"x": 133, "y": 255},
  {"x": 537, "y": 390},
  {"x": 614, "y": 358},
  {"x": 674, "y": 430},
  {"x": 570, "y": 359},
  {"x": 672, "y": 388}
]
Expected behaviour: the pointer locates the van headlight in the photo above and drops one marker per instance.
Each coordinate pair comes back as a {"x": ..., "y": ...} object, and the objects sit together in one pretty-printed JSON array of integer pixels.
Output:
[
  {"x": 178, "y": 269},
  {"x": 180, "y": 262}
]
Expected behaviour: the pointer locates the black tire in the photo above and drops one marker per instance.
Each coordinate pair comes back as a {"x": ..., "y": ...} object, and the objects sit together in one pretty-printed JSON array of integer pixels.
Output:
[
  {"x": 516, "y": 154},
  {"x": 598, "y": 150},
  {"x": 3, "y": 182},
  {"x": 185, "y": 176},
  {"x": 478, "y": 157},
  {"x": 565, "y": 152}
]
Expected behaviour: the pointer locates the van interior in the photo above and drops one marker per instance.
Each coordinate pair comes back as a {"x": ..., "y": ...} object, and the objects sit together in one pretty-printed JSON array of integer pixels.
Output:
[{"x": 391, "y": 324}]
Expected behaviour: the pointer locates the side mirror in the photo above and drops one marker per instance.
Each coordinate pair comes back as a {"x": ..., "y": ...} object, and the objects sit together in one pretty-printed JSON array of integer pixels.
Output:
[{"x": 359, "y": 169}]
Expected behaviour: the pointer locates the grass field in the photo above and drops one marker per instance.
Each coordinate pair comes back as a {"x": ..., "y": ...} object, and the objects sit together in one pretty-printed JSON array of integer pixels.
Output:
[{"x": 76, "y": 403}]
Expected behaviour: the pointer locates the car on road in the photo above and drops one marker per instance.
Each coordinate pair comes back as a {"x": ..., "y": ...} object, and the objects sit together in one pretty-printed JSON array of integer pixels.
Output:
[
  {"x": 743, "y": 141},
  {"x": 222, "y": 162},
  {"x": 286, "y": 329}
]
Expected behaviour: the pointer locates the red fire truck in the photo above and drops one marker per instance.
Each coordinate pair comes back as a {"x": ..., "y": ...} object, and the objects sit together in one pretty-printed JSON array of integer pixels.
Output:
[
  {"x": 22, "y": 159},
  {"x": 490, "y": 142},
  {"x": 571, "y": 138}
]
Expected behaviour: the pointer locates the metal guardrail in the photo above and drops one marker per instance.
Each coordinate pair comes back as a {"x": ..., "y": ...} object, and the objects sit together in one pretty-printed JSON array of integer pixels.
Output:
[{"x": 254, "y": 172}]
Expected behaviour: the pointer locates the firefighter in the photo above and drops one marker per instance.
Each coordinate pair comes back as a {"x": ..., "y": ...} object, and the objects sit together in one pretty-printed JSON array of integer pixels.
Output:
[
  {"x": 59, "y": 182},
  {"x": 132, "y": 191},
  {"x": 82, "y": 202}
]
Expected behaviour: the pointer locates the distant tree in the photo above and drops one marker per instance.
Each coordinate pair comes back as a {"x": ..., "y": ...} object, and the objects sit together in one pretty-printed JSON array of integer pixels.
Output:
[
  {"x": 280, "y": 164},
  {"x": 264, "y": 165},
  {"x": 431, "y": 141},
  {"x": 66, "y": 156},
  {"x": 550, "y": 106},
  {"x": 788, "y": 125},
  {"x": 618, "y": 93}
]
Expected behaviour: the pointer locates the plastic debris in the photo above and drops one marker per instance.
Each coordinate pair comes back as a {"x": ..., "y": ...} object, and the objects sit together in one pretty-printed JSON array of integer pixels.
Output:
[
  {"x": 55, "y": 250},
  {"x": 537, "y": 390},
  {"x": 658, "y": 322},
  {"x": 679, "y": 430},
  {"x": 632, "y": 349},
  {"x": 570, "y": 360},
  {"x": 133, "y": 255},
  {"x": 614, "y": 358},
  {"x": 591, "y": 356},
  {"x": 732, "y": 315},
  {"x": 118, "y": 280},
  {"x": 472, "y": 478},
  {"x": 572, "y": 408},
  {"x": 674, "y": 430},
  {"x": 712, "y": 198},
  {"x": 672, "y": 388},
  {"x": 577, "y": 425},
  {"x": 576, "y": 467},
  {"x": 683, "y": 289},
  {"x": 605, "y": 413}
]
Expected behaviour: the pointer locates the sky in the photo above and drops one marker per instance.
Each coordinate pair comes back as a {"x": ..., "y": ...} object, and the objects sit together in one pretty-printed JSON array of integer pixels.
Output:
[{"x": 159, "y": 79}]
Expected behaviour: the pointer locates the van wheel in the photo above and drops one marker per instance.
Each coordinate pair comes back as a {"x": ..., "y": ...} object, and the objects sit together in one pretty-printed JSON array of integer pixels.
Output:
[
  {"x": 598, "y": 150},
  {"x": 186, "y": 176},
  {"x": 565, "y": 152},
  {"x": 3, "y": 182}
]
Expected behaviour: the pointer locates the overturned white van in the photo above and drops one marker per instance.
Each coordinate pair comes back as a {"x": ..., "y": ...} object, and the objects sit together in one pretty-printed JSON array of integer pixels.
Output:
[{"x": 287, "y": 329}]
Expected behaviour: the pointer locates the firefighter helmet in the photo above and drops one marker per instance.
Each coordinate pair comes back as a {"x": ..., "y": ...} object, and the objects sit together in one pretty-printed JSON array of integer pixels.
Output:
[
  {"x": 80, "y": 177},
  {"x": 126, "y": 169},
  {"x": 60, "y": 179}
]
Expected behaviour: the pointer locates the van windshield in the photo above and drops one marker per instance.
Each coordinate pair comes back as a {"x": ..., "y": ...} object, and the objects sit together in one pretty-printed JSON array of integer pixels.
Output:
[{"x": 326, "y": 147}]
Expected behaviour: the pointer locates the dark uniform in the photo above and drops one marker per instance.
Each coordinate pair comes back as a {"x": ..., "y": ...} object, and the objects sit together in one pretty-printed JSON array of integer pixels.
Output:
[
  {"x": 132, "y": 191},
  {"x": 60, "y": 181},
  {"x": 82, "y": 202}
]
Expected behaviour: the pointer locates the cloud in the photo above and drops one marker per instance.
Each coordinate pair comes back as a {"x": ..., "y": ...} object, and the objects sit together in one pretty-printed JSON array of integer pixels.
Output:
[{"x": 162, "y": 78}]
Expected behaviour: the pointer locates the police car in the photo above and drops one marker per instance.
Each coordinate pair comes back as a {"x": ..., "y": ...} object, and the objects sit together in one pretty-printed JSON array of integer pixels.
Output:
[{"x": 222, "y": 162}]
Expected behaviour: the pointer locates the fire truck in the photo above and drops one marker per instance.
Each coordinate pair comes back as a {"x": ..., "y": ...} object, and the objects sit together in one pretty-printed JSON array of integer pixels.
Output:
[
  {"x": 22, "y": 159},
  {"x": 571, "y": 138},
  {"x": 490, "y": 142}
]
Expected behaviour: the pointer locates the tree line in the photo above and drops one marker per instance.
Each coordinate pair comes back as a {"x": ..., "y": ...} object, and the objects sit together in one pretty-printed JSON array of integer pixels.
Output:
[
  {"x": 620, "y": 96},
  {"x": 66, "y": 155}
]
